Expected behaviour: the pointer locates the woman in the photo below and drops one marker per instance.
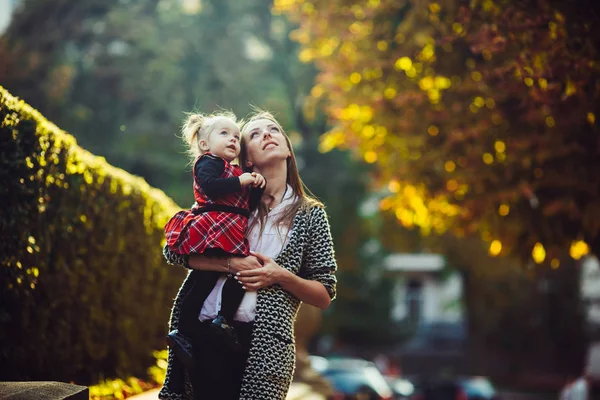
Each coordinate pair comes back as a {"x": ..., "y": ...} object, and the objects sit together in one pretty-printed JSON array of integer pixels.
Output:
[{"x": 293, "y": 262}]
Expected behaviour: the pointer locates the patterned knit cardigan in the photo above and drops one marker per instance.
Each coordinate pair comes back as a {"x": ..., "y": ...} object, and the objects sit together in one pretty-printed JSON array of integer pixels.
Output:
[{"x": 309, "y": 253}]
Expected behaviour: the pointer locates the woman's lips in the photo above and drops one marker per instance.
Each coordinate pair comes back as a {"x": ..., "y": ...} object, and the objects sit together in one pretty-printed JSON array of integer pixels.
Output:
[{"x": 271, "y": 144}]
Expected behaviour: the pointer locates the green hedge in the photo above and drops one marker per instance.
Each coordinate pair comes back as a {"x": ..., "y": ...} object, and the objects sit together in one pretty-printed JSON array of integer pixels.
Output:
[{"x": 84, "y": 291}]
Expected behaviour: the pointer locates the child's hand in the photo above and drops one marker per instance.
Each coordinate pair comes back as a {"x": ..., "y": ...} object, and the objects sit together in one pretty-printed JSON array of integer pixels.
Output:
[
  {"x": 259, "y": 180},
  {"x": 247, "y": 179}
]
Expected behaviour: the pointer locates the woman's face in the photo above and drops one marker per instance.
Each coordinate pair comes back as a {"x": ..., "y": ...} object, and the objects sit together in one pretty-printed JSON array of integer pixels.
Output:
[{"x": 265, "y": 143}]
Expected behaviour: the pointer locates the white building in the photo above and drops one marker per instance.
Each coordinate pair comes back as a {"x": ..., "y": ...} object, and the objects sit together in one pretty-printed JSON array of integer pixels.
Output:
[
  {"x": 424, "y": 294},
  {"x": 590, "y": 289}
]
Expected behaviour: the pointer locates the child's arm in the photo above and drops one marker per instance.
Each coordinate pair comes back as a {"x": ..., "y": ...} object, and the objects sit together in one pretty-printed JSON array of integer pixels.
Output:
[
  {"x": 208, "y": 173},
  {"x": 255, "y": 196}
]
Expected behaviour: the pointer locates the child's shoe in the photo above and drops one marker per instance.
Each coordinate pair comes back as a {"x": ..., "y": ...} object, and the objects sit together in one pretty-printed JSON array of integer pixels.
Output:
[
  {"x": 182, "y": 346},
  {"x": 221, "y": 326}
]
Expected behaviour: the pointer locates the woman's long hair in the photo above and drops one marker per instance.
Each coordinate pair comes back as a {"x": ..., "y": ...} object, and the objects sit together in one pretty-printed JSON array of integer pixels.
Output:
[{"x": 304, "y": 197}]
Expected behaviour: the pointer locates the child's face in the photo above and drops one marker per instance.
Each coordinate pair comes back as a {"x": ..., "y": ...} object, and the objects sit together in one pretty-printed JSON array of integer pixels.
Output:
[{"x": 223, "y": 139}]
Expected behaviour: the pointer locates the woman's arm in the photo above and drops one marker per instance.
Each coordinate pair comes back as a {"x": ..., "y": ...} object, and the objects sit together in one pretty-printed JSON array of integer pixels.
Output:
[
  {"x": 316, "y": 281},
  {"x": 223, "y": 264},
  {"x": 271, "y": 273},
  {"x": 203, "y": 263}
]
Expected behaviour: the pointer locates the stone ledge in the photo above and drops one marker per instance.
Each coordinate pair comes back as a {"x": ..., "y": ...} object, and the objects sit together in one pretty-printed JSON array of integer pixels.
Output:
[{"x": 43, "y": 390}]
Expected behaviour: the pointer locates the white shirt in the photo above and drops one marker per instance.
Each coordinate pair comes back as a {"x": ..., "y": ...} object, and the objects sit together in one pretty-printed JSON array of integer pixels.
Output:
[
  {"x": 270, "y": 244},
  {"x": 578, "y": 390}
]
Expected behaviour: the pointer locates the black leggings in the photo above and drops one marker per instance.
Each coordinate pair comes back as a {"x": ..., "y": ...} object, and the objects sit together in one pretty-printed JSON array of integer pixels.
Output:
[
  {"x": 191, "y": 305},
  {"x": 219, "y": 369}
]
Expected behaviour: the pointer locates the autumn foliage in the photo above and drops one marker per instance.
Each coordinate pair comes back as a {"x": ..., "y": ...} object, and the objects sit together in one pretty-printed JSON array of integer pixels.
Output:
[{"x": 481, "y": 116}]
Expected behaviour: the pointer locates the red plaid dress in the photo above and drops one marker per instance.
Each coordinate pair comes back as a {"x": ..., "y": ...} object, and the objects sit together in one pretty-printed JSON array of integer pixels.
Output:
[{"x": 212, "y": 224}]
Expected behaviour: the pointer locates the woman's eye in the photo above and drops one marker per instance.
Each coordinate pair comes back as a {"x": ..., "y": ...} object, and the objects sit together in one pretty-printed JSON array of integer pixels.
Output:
[
  {"x": 253, "y": 135},
  {"x": 273, "y": 129},
  {"x": 223, "y": 132}
]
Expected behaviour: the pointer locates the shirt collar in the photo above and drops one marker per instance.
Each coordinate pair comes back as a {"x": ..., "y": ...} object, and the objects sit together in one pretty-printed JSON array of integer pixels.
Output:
[{"x": 288, "y": 198}]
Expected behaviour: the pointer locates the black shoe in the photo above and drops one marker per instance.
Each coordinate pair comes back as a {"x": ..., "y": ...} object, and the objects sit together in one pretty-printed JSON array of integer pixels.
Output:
[
  {"x": 227, "y": 332},
  {"x": 182, "y": 346}
]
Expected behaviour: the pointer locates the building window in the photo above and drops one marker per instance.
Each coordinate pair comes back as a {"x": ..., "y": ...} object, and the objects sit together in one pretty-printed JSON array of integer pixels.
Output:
[{"x": 414, "y": 300}]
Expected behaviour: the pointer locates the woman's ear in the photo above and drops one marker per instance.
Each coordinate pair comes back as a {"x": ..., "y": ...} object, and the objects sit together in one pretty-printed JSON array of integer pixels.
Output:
[{"x": 249, "y": 164}]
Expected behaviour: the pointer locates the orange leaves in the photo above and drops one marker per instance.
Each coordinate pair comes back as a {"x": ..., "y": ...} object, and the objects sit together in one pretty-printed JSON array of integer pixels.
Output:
[{"x": 475, "y": 103}]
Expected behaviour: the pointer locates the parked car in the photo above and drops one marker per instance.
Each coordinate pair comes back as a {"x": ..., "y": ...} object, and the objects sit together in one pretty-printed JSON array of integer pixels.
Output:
[
  {"x": 403, "y": 388},
  {"x": 463, "y": 388},
  {"x": 353, "y": 378}
]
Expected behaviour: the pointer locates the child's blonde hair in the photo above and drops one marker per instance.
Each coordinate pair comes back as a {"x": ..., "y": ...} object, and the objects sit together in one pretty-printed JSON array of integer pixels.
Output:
[{"x": 198, "y": 126}]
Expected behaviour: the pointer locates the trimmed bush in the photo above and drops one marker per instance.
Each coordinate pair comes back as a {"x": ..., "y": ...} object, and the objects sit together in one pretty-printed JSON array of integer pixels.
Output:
[{"x": 85, "y": 293}]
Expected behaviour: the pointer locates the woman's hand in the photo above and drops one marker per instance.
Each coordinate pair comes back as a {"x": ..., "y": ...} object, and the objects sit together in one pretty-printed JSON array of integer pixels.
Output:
[
  {"x": 248, "y": 263},
  {"x": 270, "y": 273}
]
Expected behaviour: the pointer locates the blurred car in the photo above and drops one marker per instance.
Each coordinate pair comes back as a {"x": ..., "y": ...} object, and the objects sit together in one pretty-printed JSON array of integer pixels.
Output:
[
  {"x": 402, "y": 388},
  {"x": 465, "y": 388},
  {"x": 353, "y": 378}
]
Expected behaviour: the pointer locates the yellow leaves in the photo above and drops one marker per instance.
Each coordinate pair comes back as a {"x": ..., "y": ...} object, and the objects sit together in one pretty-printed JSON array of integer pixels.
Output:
[
  {"x": 306, "y": 55},
  {"x": 389, "y": 93},
  {"x": 331, "y": 140},
  {"x": 441, "y": 82},
  {"x": 578, "y": 249},
  {"x": 500, "y": 146},
  {"x": 553, "y": 29},
  {"x": 503, "y": 210},
  {"x": 358, "y": 11},
  {"x": 476, "y": 76},
  {"x": 300, "y": 36},
  {"x": 348, "y": 49},
  {"x": 317, "y": 91},
  {"x": 403, "y": 64},
  {"x": 357, "y": 113},
  {"x": 550, "y": 121},
  {"x": 394, "y": 186},
  {"x": 400, "y": 38},
  {"x": 360, "y": 28},
  {"x": 591, "y": 118},
  {"x": 488, "y": 158},
  {"x": 495, "y": 248},
  {"x": 452, "y": 185},
  {"x": 570, "y": 88},
  {"x": 355, "y": 78},
  {"x": 528, "y": 81},
  {"x": 426, "y": 83},
  {"x": 325, "y": 47},
  {"x": 433, "y": 86},
  {"x": 457, "y": 28},
  {"x": 370, "y": 157},
  {"x": 308, "y": 8},
  {"x": 382, "y": 45},
  {"x": 412, "y": 206},
  {"x": 435, "y": 8},
  {"x": 450, "y": 166},
  {"x": 538, "y": 253},
  {"x": 428, "y": 53},
  {"x": 368, "y": 132},
  {"x": 433, "y": 130}
]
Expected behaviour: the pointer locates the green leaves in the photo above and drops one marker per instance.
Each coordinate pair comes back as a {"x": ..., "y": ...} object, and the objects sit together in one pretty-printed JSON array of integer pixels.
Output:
[{"x": 80, "y": 251}]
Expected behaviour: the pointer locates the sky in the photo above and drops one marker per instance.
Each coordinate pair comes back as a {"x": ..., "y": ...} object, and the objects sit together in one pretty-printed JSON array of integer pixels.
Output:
[{"x": 5, "y": 13}]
